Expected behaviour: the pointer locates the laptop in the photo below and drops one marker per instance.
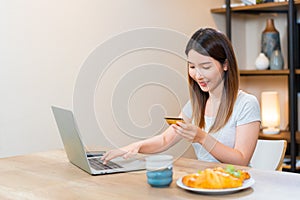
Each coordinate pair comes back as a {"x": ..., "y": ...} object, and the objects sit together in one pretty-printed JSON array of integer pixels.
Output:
[{"x": 76, "y": 151}]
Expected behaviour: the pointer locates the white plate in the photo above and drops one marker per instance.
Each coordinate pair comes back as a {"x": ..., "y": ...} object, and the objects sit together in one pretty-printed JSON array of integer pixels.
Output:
[{"x": 247, "y": 183}]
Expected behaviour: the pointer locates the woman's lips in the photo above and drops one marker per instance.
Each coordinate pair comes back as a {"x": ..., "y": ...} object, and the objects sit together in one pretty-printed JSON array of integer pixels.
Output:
[{"x": 203, "y": 84}]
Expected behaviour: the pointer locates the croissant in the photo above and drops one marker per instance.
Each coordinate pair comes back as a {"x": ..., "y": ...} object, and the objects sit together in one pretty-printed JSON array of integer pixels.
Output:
[{"x": 216, "y": 178}]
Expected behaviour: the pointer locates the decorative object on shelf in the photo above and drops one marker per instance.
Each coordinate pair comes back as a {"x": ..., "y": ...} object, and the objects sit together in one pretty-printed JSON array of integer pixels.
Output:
[
  {"x": 262, "y": 62},
  {"x": 234, "y": 5},
  {"x": 249, "y": 2},
  {"x": 263, "y": 1},
  {"x": 270, "y": 39},
  {"x": 276, "y": 60},
  {"x": 270, "y": 112}
]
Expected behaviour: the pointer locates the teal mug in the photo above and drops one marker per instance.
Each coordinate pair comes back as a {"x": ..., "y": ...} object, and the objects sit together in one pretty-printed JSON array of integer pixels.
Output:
[{"x": 159, "y": 170}]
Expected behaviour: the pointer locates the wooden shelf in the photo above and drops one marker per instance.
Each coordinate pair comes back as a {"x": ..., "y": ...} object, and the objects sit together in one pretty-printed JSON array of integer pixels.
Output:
[
  {"x": 283, "y": 135},
  {"x": 272, "y": 6},
  {"x": 284, "y": 72},
  {"x": 288, "y": 168},
  {"x": 264, "y": 72}
]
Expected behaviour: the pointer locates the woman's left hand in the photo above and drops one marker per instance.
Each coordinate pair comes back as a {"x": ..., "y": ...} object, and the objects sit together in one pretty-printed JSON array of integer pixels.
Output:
[{"x": 189, "y": 132}]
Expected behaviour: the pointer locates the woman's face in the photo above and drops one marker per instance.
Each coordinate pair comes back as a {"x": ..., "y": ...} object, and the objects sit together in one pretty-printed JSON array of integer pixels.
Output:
[{"x": 206, "y": 71}]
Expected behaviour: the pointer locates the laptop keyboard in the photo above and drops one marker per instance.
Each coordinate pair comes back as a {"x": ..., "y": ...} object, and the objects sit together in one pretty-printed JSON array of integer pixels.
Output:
[{"x": 97, "y": 164}]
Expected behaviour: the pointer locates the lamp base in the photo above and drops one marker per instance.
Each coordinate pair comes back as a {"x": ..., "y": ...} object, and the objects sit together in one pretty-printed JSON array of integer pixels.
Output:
[{"x": 271, "y": 131}]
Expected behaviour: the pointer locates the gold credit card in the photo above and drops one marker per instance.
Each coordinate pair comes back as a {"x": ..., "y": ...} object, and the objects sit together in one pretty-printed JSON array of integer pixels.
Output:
[{"x": 173, "y": 120}]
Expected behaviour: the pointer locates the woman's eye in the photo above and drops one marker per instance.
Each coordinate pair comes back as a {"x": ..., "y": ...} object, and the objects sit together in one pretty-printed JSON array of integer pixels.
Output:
[
  {"x": 192, "y": 67},
  {"x": 206, "y": 67}
]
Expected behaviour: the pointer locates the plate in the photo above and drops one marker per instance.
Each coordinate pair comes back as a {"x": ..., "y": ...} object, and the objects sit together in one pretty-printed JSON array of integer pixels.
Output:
[{"x": 247, "y": 183}]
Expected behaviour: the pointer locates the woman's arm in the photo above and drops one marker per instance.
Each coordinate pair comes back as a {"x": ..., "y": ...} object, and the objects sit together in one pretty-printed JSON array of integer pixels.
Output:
[
  {"x": 246, "y": 138},
  {"x": 160, "y": 142},
  {"x": 154, "y": 144}
]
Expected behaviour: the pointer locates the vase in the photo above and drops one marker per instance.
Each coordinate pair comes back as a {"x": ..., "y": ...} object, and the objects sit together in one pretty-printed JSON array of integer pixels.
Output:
[
  {"x": 262, "y": 62},
  {"x": 270, "y": 39},
  {"x": 276, "y": 61}
]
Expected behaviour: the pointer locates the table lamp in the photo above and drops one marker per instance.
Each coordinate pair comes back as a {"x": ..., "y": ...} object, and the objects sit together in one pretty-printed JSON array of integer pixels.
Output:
[{"x": 270, "y": 112}]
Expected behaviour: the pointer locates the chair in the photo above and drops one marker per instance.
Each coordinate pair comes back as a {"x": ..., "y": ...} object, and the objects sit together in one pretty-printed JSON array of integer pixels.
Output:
[{"x": 269, "y": 154}]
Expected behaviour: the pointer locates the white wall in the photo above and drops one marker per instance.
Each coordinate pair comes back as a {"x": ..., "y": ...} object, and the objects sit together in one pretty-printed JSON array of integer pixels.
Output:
[{"x": 44, "y": 43}]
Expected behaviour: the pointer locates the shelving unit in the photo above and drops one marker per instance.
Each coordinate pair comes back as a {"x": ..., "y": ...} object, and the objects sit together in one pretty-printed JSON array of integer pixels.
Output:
[
  {"x": 284, "y": 72},
  {"x": 258, "y": 8},
  {"x": 292, "y": 72},
  {"x": 264, "y": 72}
]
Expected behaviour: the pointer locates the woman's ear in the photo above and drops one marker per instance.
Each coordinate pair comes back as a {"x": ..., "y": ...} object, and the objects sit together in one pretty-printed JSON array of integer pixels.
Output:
[{"x": 225, "y": 65}]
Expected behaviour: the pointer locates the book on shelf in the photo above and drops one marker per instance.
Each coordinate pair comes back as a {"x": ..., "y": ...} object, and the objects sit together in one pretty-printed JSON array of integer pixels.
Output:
[{"x": 234, "y": 5}]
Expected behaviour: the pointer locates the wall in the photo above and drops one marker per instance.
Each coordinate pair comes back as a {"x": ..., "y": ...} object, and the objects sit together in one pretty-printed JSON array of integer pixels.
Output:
[{"x": 44, "y": 44}]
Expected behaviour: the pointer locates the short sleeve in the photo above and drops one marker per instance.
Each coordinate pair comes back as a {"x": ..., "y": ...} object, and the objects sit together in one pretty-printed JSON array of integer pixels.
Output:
[{"x": 248, "y": 109}]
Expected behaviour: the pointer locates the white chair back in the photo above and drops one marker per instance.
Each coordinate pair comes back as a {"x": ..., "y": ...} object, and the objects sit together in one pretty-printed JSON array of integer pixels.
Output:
[{"x": 269, "y": 154}]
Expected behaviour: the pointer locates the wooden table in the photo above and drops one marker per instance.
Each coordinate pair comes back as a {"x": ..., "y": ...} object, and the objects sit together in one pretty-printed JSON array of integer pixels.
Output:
[{"x": 49, "y": 175}]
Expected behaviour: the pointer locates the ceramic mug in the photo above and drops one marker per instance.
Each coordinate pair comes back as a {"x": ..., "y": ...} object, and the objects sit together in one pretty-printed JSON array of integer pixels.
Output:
[{"x": 159, "y": 170}]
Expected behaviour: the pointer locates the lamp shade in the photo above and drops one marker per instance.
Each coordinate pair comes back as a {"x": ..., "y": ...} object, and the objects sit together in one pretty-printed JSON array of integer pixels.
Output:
[{"x": 270, "y": 112}]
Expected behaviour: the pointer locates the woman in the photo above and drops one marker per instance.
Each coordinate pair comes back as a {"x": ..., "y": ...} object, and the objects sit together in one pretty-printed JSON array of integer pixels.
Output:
[{"x": 222, "y": 121}]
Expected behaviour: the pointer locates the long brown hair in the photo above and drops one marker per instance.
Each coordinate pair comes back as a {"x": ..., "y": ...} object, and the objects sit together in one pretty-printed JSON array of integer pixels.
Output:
[{"x": 215, "y": 44}]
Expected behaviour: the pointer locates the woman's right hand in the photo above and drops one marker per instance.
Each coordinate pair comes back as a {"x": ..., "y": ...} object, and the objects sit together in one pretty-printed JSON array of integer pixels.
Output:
[{"x": 125, "y": 152}]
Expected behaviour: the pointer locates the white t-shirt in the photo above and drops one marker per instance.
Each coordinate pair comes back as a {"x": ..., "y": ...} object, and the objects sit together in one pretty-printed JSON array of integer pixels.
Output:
[{"x": 246, "y": 109}]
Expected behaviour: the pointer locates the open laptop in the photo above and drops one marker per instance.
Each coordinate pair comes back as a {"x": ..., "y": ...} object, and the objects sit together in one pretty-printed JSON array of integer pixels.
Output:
[{"x": 77, "y": 154}]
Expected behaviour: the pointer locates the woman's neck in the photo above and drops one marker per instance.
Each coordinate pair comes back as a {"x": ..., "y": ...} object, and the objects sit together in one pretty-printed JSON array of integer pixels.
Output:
[
  {"x": 213, "y": 102},
  {"x": 212, "y": 107},
  {"x": 215, "y": 94}
]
